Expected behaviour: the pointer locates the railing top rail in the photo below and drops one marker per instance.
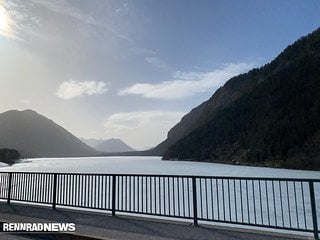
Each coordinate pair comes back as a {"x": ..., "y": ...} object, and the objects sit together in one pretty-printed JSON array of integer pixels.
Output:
[{"x": 174, "y": 176}]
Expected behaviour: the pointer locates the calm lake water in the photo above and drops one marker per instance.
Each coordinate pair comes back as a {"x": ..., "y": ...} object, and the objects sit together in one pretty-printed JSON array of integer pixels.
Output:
[{"x": 151, "y": 165}]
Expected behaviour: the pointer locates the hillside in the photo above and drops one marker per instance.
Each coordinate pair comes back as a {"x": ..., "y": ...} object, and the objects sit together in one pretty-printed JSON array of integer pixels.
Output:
[
  {"x": 92, "y": 142},
  {"x": 34, "y": 135},
  {"x": 108, "y": 145},
  {"x": 9, "y": 156},
  {"x": 269, "y": 115}
]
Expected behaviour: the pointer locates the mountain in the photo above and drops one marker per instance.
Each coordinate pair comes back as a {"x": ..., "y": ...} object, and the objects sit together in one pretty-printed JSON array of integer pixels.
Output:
[
  {"x": 92, "y": 142},
  {"x": 113, "y": 145},
  {"x": 109, "y": 145},
  {"x": 34, "y": 135},
  {"x": 268, "y": 116}
]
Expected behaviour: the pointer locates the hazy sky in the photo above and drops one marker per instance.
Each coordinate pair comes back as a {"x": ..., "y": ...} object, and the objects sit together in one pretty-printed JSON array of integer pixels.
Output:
[{"x": 131, "y": 69}]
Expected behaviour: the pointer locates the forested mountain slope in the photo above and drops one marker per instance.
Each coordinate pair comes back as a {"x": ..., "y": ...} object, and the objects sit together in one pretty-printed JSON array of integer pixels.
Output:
[{"x": 269, "y": 115}]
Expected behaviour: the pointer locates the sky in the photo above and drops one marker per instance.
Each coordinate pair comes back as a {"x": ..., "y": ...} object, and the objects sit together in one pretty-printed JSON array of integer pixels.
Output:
[{"x": 130, "y": 69}]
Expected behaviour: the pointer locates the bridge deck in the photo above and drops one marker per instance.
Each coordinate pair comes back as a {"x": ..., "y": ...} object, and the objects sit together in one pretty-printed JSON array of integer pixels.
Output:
[{"x": 103, "y": 226}]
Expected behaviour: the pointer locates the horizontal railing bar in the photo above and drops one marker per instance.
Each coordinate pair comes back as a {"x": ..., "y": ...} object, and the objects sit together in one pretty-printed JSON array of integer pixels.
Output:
[
  {"x": 30, "y": 201},
  {"x": 155, "y": 214},
  {"x": 179, "y": 176},
  {"x": 77, "y": 206}
]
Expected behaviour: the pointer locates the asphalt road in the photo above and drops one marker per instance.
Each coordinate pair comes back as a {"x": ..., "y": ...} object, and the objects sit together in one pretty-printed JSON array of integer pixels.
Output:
[{"x": 103, "y": 226}]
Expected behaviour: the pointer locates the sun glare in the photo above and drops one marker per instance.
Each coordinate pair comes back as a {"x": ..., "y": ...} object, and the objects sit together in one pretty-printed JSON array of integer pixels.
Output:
[{"x": 4, "y": 20}]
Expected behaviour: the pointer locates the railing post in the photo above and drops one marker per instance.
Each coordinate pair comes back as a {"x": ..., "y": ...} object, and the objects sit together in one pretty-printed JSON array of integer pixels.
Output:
[
  {"x": 9, "y": 188},
  {"x": 114, "y": 179},
  {"x": 194, "y": 194},
  {"x": 54, "y": 193},
  {"x": 314, "y": 211}
]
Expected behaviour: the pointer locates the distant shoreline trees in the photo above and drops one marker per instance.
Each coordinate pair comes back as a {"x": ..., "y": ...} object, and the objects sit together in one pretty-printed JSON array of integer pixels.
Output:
[{"x": 9, "y": 155}]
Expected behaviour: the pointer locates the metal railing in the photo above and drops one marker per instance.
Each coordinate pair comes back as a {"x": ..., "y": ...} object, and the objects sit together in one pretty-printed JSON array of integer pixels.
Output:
[{"x": 279, "y": 203}]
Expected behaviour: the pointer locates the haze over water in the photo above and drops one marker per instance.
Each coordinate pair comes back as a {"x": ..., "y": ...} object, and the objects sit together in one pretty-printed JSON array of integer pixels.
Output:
[{"x": 151, "y": 165}]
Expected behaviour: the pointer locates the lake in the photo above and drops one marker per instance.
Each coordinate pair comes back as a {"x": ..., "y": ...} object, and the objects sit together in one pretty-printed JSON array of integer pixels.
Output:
[{"x": 151, "y": 165}]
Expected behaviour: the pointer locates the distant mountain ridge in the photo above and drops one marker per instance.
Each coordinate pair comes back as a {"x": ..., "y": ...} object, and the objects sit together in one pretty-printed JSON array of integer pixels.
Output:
[
  {"x": 34, "y": 135},
  {"x": 268, "y": 115},
  {"x": 92, "y": 142},
  {"x": 112, "y": 145}
]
